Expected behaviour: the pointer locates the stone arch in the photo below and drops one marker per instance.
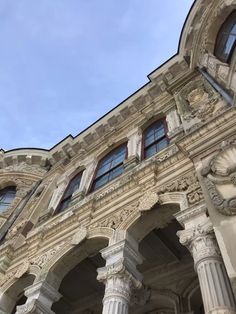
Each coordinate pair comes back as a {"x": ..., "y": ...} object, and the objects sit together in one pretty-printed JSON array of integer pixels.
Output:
[
  {"x": 149, "y": 200},
  {"x": 169, "y": 299},
  {"x": 13, "y": 291},
  {"x": 201, "y": 28},
  {"x": 72, "y": 252},
  {"x": 158, "y": 217}
]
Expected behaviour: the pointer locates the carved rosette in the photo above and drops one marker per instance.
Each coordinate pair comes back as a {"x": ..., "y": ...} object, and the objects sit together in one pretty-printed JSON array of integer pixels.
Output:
[{"x": 201, "y": 242}]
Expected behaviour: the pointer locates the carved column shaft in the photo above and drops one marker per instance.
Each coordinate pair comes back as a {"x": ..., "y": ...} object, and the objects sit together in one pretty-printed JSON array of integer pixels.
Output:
[
  {"x": 120, "y": 275},
  {"x": 214, "y": 282},
  {"x": 117, "y": 295}
]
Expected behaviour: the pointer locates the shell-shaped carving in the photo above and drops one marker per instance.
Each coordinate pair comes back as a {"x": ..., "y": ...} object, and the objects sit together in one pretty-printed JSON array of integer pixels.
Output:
[{"x": 225, "y": 162}]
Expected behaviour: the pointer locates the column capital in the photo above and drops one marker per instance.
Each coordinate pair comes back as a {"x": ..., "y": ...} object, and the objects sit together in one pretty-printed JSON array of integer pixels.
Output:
[
  {"x": 121, "y": 257},
  {"x": 120, "y": 274},
  {"x": 40, "y": 297},
  {"x": 200, "y": 241}
]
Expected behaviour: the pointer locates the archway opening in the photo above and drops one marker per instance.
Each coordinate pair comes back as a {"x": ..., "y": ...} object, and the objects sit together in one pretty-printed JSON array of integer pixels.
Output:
[
  {"x": 167, "y": 269},
  {"x": 14, "y": 296},
  {"x": 80, "y": 290}
]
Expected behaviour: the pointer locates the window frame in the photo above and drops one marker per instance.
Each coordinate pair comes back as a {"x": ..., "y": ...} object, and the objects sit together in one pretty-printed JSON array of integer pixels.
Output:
[
  {"x": 94, "y": 179},
  {"x": 223, "y": 31},
  {"x": 10, "y": 188},
  {"x": 163, "y": 121},
  {"x": 63, "y": 198}
]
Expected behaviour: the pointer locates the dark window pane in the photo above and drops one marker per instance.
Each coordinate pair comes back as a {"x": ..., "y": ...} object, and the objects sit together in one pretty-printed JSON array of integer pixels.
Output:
[
  {"x": 7, "y": 195},
  {"x": 150, "y": 151},
  {"x": 118, "y": 160},
  {"x": 161, "y": 145},
  {"x": 226, "y": 38},
  {"x": 149, "y": 140},
  {"x": 64, "y": 204},
  {"x": 72, "y": 187},
  {"x": 155, "y": 139},
  {"x": 116, "y": 172},
  {"x": 101, "y": 181},
  {"x": 229, "y": 44},
  {"x": 110, "y": 167},
  {"x": 103, "y": 169}
]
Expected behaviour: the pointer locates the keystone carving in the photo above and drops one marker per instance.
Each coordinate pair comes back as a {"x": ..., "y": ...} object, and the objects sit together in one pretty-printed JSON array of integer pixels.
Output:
[
  {"x": 79, "y": 236},
  {"x": 147, "y": 201}
]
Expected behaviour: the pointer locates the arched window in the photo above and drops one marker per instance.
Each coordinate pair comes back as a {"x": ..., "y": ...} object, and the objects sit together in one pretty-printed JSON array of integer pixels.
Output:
[
  {"x": 71, "y": 188},
  {"x": 7, "y": 195},
  {"x": 226, "y": 39},
  {"x": 155, "y": 138},
  {"x": 110, "y": 167}
]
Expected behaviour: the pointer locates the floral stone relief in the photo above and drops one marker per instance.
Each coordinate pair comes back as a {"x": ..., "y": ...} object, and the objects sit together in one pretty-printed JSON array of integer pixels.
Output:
[{"x": 220, "y": 179}]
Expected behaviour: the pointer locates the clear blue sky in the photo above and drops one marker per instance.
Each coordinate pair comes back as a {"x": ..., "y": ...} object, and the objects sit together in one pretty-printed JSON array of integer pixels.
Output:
[{"x": 65, "y": 63}]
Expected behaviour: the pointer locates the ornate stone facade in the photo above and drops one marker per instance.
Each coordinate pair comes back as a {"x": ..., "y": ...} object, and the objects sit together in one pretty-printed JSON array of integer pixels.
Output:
[{"x": 114, "y": 250}]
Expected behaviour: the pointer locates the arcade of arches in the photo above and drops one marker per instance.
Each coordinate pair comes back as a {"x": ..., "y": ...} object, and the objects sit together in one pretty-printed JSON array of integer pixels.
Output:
[{"x": 137, "y": 214}]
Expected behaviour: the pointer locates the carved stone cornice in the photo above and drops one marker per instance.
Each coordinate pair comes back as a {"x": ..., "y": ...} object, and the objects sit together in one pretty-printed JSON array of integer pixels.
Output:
[
  {"x": 190, "y": 213},
  {"x": 194, "y": 142}
]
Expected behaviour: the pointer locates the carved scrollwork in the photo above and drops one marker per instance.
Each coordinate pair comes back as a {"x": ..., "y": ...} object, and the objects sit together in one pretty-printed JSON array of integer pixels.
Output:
[
  {"x": 147, "y": 201},
  {"x": 188, "y": 184},
  {"x": 113, "y": 221},
  {"x": 219, "y": 173},
  {"x": 197, "y": 100}
]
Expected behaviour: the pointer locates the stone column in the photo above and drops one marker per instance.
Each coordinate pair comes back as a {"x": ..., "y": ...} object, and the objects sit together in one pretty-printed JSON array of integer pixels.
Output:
[
  {"x": 120, "y": 275},
  {"x": 214, "y": 282},
  {"x": 40, "y": 297}
]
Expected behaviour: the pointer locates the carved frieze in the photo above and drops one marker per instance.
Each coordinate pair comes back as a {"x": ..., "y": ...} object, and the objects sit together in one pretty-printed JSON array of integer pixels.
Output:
[
  {"x": 113, "y": 221},
  {"x": 25, "y": 168},
  {"x": 188, "y": 184}
]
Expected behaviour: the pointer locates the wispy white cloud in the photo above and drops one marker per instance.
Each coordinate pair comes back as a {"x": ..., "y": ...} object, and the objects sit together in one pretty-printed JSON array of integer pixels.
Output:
[{"x": 63, "y": 64}]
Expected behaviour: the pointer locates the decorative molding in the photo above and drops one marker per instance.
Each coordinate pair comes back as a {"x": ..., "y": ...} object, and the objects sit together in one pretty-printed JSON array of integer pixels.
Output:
[
  {"x": 222, "y": 170},
  {"x": 147, "y": 201},
  {"x": 197, "y": 99},
  {"x": 188, "y": 184},
  {"x": 25, "y": 168}
]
